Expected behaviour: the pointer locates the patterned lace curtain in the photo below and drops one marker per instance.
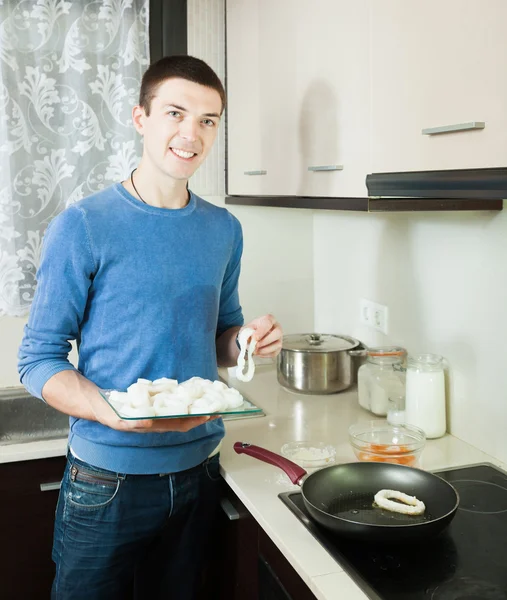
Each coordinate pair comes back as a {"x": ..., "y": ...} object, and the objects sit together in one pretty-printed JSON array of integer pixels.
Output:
[{"x": 69, "y": 76}]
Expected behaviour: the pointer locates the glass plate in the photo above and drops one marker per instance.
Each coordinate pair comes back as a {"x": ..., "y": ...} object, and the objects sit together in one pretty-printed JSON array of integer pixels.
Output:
[{"x": 246, "y": 408}]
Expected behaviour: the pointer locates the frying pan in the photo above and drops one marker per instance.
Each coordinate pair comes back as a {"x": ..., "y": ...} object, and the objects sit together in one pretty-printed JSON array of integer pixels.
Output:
[{"x": 340, "y": 497}]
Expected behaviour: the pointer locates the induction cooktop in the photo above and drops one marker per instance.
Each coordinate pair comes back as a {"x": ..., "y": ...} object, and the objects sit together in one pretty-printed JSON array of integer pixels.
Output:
[{"x": 468, "y": 561}]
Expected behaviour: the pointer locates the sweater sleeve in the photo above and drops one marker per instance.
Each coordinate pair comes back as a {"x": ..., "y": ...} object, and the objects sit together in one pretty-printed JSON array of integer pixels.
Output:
[
  {"x": 63, "y": 279},
  {"x": 230, "y": 312}
]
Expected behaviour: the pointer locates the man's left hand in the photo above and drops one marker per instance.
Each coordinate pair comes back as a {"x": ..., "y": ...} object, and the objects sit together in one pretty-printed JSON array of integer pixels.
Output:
[{"x": 268, "y": 334}]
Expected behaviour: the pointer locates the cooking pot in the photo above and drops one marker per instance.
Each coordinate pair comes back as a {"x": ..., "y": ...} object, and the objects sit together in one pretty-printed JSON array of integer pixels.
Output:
[{"x": 317, "y": 363}]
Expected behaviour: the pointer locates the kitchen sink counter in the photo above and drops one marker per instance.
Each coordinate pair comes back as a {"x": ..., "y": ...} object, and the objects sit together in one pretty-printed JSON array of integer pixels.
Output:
[
  {"x": 32, "y": 450},
  {"x": 289, "y": 417}
]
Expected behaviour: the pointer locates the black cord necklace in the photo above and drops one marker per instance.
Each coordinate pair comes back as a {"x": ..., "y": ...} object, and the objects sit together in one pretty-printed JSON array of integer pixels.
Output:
[{"x": 134, "y": 186}]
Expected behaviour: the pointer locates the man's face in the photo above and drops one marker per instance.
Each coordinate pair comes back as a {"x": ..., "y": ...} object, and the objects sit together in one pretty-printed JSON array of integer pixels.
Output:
[{"x": 181, "y": 128}]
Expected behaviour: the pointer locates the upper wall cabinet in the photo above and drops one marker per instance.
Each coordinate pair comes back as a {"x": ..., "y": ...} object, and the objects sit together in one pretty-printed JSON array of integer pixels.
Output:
[
  {"x": 323, "y": 93},
  {"x": 261, "y": 84},
  {"x": 439, "y": 84},
  {"x": 246, "y": 165},
  {"x": 333, "y": 97},
  {"x": 298, "y": 97}
]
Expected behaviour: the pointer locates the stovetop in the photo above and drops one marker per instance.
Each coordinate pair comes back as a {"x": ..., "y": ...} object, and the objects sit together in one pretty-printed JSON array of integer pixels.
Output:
[{"x": 468, "y": 561}]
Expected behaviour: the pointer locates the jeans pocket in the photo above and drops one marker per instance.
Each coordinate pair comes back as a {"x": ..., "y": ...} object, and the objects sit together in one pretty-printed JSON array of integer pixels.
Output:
[
  {"x": 91, "y": 488},
  {"x": 212, "y": 468}
]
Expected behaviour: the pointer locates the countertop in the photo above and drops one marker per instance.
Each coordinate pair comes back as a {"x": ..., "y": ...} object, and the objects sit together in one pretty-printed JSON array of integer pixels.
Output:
[{"x": 289, "y": 417}]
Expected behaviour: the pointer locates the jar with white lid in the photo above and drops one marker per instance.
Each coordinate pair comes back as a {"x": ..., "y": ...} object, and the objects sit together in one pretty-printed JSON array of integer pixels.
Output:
[
  {"x": 425, "y": 394},
  {"x": 382, "y": 376}
]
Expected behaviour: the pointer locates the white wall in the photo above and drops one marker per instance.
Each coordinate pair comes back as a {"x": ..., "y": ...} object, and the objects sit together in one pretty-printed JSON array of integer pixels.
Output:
[
  {"x": 277, "y": 266},
  {"x": 444, "y": 279}
]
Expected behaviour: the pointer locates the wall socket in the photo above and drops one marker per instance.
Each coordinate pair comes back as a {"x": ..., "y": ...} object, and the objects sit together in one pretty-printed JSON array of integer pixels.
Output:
[{"x": 374, "y": 315}]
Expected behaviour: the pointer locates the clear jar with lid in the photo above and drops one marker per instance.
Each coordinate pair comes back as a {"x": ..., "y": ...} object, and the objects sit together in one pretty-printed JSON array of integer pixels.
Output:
[
  {"x": 382, "y": 376},
  {"x": 425, "y": 394}
]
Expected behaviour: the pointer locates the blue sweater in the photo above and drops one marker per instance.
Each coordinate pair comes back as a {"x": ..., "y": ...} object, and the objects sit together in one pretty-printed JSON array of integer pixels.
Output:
[{"x": 145, "y": 291}]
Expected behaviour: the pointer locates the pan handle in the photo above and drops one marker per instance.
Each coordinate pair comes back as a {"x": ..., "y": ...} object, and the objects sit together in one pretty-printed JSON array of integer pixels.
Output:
[{"x": 294, "y": 471}]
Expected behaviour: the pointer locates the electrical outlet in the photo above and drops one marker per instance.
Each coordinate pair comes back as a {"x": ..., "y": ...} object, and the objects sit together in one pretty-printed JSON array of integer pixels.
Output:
[
  {"x": 374, "y": 315},
  {"x": 364, "y": 306}
]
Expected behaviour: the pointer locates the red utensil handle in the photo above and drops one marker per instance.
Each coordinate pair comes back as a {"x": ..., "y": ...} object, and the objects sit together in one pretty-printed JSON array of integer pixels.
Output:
[{"x": 294, "y": 471}]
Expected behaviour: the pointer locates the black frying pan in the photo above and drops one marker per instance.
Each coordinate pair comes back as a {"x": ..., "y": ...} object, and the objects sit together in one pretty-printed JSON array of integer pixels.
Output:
[{"x": 340, "y": 497}]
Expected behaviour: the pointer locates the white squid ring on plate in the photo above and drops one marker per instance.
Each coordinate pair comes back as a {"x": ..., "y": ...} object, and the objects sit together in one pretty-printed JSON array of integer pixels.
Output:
[
  {"x": 246, "y": 348},
  {"x": 411, "y": 505}
]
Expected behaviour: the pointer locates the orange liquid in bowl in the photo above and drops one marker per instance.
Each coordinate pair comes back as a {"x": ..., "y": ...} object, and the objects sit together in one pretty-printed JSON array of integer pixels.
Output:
[{"x": 397, "y": 454}]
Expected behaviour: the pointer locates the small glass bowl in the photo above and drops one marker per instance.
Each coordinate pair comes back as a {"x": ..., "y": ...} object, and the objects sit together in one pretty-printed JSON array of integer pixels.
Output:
[
  {"x": 309, "y": 454},
  {"x": 378, "y": 441}
]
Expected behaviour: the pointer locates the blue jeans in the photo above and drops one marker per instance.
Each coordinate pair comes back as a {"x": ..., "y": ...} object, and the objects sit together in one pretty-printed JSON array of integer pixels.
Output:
[{"x": 123, "y": 536}]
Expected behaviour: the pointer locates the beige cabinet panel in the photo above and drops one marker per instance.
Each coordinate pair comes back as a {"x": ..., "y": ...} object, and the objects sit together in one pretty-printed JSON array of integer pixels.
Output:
[
  {"x": 277, "y": 86},
  {"x": 261, "y": 82},
  {"x": 322, "y": 93},
  {"x": 333, "y": 97},
  {"x": 434, "y": 64},
  {"x": 298, "y": 92},
  {"x": 243, "y": 106}
]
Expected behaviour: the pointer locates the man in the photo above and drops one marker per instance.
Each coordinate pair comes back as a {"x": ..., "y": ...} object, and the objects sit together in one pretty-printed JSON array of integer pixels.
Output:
[{"x": 144, "y": 275}]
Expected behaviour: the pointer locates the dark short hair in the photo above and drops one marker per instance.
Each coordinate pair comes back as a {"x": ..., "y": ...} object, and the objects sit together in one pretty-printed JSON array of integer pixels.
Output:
[{"x": 177, "y": 67}]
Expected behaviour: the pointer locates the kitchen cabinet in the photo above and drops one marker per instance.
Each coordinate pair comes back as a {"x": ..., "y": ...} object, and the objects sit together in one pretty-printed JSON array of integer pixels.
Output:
[
  {"x": 333, "y": 97},
  {"x": 28, "y": 497},
  {"x": 261, "y": 97},
  {"x": 246, "y": 167},
  {"x": 322, "y": 95},
  {"x": 438, "y": 64},
  {"x": 247, "y": 565},
  {"x": 298, "y": 100}
]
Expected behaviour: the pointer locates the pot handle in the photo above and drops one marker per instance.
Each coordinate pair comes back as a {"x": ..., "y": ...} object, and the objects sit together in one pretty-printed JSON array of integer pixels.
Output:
[
  {"x": 294, "y": 471},
  {"x": 361, "y": 351}
]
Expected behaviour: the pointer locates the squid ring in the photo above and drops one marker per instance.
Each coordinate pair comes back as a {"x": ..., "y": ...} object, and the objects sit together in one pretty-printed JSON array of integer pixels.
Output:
[
  {"x": 408, "y": 505},
  {"x": 245, "y": 355}
]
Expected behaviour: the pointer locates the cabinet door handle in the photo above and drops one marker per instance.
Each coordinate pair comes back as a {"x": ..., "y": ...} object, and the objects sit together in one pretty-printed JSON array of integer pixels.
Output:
[
  {"x": 326, "y": 168},
  {"x": 49, "y": 487},
  {"x": 255, "y": 173},
  {"x": 454, "y": 128},
  {"x": 231, "y": 513}
]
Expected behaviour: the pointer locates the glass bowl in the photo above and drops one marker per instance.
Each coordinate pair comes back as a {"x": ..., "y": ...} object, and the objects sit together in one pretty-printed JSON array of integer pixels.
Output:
[
  {"x": 309, "y": 454},
  {"x": 379, "y": 441}
]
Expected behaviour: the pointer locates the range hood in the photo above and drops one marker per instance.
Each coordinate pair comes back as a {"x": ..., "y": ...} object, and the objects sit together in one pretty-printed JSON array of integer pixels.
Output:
[{"x": 457, "y": 189}]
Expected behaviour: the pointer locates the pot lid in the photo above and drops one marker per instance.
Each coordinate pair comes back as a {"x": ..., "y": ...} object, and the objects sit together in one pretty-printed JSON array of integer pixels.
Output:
[{"x": 318, "y": 342}]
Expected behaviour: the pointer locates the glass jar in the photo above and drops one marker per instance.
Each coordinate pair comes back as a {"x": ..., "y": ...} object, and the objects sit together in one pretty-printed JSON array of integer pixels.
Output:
[
  {"x": 396, "y": 410},
  {"x": 382, "y": 376},
  {"x": 425, "y": 394}
]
